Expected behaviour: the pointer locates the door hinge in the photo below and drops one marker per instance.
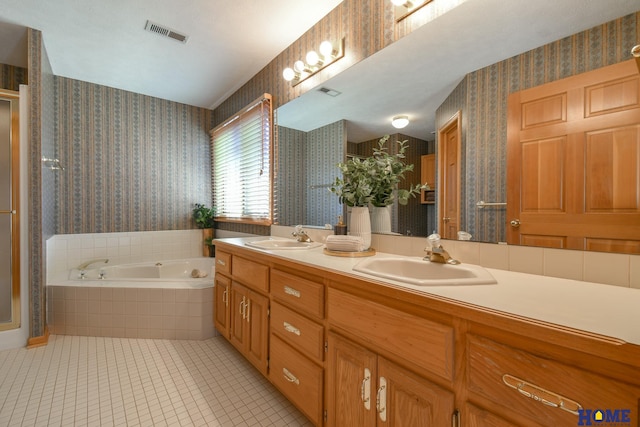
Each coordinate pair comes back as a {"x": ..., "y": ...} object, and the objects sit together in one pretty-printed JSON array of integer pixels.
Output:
[
  {"x": 325, "y": 415},
  {"x": 268, "y": 311},
  {"x": 326, "y": 346},
  {"x": 268, "y": 363}
]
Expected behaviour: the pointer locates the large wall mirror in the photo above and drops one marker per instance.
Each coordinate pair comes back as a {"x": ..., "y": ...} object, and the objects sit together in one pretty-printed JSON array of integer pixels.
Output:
[{"x": 465, "y": 60}]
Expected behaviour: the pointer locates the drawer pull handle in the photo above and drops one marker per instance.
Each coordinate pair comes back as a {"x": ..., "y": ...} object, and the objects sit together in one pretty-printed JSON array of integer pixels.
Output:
[
  {"x": 381, "y": 399},
  {"x": 243, "y": 308},
  {"x": 290, "y": 328},
  {"x": 221, "y": 262},
  {"x": 248, "y": 310},
  {"x": 225, "y": 298},
  {"x": 365, "y": 389},
  {"x": 293, "y": 292},
  {"x": 541, "y": 395},
  {"x": 290, "y": 377}
]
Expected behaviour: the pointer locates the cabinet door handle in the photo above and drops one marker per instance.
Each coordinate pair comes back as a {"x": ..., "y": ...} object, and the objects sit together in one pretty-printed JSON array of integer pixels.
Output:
[
  {"x": 248, "y": 309},
  {"x": 541, "y": 395},
  {"x": 290, "y": 377},
  {"x": 242, "y": 307},
  {"x": 221, "y": 262},
  {"x": 381, "y": 400},
  {"x": 290, "y": 328},
  {"x": 225, "y": 298},
  {"x": 365, "y": 389},
  {"x": 291, "y": 291}
]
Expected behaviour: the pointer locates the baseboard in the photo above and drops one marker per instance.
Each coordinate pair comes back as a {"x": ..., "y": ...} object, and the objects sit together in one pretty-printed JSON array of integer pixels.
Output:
[{"x": 40, "y": 340}]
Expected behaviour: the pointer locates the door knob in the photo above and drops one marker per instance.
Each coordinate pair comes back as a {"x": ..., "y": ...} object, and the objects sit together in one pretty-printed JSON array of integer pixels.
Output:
[
  {"x": 446, "y": 219},
  {"x": 515, "y": 223}
]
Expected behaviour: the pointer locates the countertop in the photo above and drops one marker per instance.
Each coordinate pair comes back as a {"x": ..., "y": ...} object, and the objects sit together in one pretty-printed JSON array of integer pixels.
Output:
[{"x": 605, "y": 310}]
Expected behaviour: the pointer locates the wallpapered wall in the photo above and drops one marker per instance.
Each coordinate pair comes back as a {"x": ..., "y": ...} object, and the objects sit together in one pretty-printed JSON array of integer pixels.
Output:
[
  {"x": 482, "y": 98},
  {"x": 414, "y": 218},
  {"x": 12, "y": 77},
  {"x": 133, "y": 162},
  {"x": 308, "y": 163}
]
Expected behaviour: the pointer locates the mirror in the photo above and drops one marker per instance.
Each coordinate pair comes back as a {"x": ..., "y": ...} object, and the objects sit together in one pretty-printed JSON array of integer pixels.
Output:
[{"x": 432, "y": 72}]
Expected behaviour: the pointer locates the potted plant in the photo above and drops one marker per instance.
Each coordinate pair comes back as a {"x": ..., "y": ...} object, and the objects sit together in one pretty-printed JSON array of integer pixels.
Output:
[
  {"x": 203, "y": 217},
  {"x": 374, "y": 180},
  {"x": 208, "y": 243}
]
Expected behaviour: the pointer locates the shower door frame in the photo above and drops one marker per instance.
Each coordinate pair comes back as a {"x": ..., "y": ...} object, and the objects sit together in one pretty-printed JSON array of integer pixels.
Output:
[{"x": 14, "y": 99}]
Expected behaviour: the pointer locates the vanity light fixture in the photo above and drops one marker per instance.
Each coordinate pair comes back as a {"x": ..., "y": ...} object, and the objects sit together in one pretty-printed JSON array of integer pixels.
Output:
[
  {"x": 301, "y": 70},
  {"x": 404, "y": 8},
  {"x": 400, "y": 122}
]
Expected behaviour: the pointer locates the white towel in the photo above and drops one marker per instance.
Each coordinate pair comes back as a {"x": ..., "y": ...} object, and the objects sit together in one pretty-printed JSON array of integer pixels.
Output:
[{"x": 345, "y": 243}]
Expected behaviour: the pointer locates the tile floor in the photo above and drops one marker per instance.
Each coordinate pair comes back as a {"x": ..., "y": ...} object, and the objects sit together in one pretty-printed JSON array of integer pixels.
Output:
[{"x": 98, "y": 381}]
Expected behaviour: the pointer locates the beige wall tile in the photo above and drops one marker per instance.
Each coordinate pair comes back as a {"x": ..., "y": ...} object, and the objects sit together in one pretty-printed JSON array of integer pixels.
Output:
[
  {"x": 564, "y": 263},
  {"x": 610, "y": 269},
  {"x": 526, "y": 259},
  {"x": 494, "y": 256},
  {"x": 634, "y": 271},
  {"x": 119, "y": 294}
]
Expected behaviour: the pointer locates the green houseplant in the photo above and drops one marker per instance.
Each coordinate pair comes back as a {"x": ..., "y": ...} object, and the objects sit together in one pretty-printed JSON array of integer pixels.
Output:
[
  {"x": 375, "y": 179},
  {"x": 203, "y": 217}
]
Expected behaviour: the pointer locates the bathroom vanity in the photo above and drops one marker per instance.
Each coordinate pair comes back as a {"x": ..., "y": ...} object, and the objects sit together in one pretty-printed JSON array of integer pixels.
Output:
[{"x": 351, "y": 349}]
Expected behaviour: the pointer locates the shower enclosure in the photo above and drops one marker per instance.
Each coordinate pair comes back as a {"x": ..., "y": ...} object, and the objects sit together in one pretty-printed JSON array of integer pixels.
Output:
[{"x": 9, "y": 237}]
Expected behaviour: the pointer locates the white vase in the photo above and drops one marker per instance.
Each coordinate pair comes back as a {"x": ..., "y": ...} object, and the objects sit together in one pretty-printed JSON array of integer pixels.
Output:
[
  {"x": 381, "y": 219},
  {"x": 360, "y": 224}
]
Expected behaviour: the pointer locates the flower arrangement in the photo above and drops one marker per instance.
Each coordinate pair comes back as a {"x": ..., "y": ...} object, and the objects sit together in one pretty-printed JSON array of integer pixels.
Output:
[{"x": 375, "y": 179}]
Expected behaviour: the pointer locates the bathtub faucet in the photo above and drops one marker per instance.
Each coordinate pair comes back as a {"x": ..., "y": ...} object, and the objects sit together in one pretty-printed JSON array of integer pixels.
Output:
[{"x": 84, "y": 265}]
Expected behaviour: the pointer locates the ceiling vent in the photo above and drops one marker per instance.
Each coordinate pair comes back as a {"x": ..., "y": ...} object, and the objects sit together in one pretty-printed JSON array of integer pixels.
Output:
[
  {"x": 166, "y": 32},
  {"x": 330, "y": 92}
]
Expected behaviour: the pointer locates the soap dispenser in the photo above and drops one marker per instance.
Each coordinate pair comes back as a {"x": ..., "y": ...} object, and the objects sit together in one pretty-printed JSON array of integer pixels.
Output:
[{"x": 340, "y": 229}]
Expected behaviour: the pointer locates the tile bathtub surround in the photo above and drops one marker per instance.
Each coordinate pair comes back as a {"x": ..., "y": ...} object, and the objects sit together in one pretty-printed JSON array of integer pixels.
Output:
[
  {"x": 67, "y": 251},
  {"x": 131, "y": 312},
  {"x": 87, "y": 381}
]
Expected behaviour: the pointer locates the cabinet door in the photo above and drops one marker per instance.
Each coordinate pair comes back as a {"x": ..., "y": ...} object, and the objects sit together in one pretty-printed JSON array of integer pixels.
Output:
[
  {"x": 405, "y": 399},
  {"x": 351, "y": 384},
  {"x": 221, "y": 310},
  {"x": 238, "y": 314},
  {"x": 257, "y": 324}
]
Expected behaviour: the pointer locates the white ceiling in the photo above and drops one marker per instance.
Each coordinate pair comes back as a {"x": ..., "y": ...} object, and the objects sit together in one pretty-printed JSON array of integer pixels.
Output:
[{"x": 104, "y": 42}]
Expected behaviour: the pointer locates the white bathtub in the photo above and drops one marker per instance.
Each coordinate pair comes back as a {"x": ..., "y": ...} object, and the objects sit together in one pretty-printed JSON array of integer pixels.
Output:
[
  {"x": 145, "y": 300},
  {"x": 171, "y": 274}
]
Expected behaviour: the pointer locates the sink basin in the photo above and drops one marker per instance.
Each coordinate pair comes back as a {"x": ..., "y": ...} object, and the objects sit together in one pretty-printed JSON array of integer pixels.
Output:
[
  {"x": 417, "y": 271},
  {"x": 279, "y": 244}
]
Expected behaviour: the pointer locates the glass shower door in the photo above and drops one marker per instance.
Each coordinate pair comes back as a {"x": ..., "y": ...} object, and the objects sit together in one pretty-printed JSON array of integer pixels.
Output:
[{"x": 9, "y": 283}]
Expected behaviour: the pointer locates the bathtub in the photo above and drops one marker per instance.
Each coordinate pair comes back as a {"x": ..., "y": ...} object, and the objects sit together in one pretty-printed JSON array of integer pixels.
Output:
[
  {"x": 161, "y": 274},
  {"x": 157, "y": 299}
]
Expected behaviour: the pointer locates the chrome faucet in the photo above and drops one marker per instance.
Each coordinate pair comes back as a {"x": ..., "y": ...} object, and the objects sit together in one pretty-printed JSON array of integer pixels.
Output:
[
  {"x": 436, "y": 253},
  {"x": 84, "y": 265},
  {"x": 300, "y": 235}
]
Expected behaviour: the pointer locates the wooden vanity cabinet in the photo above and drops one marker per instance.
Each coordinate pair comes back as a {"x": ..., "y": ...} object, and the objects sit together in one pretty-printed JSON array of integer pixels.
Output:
[
  {"x": 365, "y": 388},
  {"x": 241, "y": 311},
  {"x": 296, "y": 360}
]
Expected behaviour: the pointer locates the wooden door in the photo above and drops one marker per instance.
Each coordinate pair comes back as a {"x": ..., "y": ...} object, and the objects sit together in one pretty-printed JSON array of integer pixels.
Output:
[
  {"x": 573, "y": 162},
  {"x": 351, "y": 384},
  {"x": 449, "y": 139},
  {"x": 409, "y": 400},
  {"x": 238, "y": 330},
  {"x": 221, "y": 310},
  {"x": 257, "y": 324}
]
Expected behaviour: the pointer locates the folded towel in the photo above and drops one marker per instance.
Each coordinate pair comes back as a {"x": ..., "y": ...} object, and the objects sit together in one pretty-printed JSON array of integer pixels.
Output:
[{"x": 345, "y": 243}]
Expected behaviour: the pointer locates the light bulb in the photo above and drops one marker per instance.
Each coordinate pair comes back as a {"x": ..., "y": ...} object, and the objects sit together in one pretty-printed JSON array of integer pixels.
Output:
[
  {"x": 326, "y": 49},
  {"x": 399, "y": 122},
  {"x": 288, "y": 74},
  {"x": 312, "y": 58},
  {"x": 299, "y": 66}
]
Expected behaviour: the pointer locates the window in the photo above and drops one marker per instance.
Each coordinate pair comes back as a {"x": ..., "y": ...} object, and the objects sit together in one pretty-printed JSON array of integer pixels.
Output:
[{"x": 241, "y": 150}]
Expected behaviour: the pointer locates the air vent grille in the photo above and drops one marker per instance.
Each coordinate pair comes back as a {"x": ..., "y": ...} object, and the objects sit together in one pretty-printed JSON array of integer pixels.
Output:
[{"x": 166, "y": 32}]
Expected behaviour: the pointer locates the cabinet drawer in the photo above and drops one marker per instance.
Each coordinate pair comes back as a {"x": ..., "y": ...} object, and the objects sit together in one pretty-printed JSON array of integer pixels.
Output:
[
  {"x": 300, "y": 332},
  {"x": 297, "y": 378},
  {"x": 223, "y": 262},
  {"x": 251, "y": 273},
  {"x": 534, "y": 380},
  {"x": 298, "y": 293},
  {"x": 420, "y": 341}
]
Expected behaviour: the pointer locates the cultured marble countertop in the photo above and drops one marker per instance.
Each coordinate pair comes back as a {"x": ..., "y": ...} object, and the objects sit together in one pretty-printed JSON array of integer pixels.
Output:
[{"x": 606, "y": 310}]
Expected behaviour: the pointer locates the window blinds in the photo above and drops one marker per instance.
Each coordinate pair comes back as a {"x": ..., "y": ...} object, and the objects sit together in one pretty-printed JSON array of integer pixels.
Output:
[{"x": 241, "y": 151}]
